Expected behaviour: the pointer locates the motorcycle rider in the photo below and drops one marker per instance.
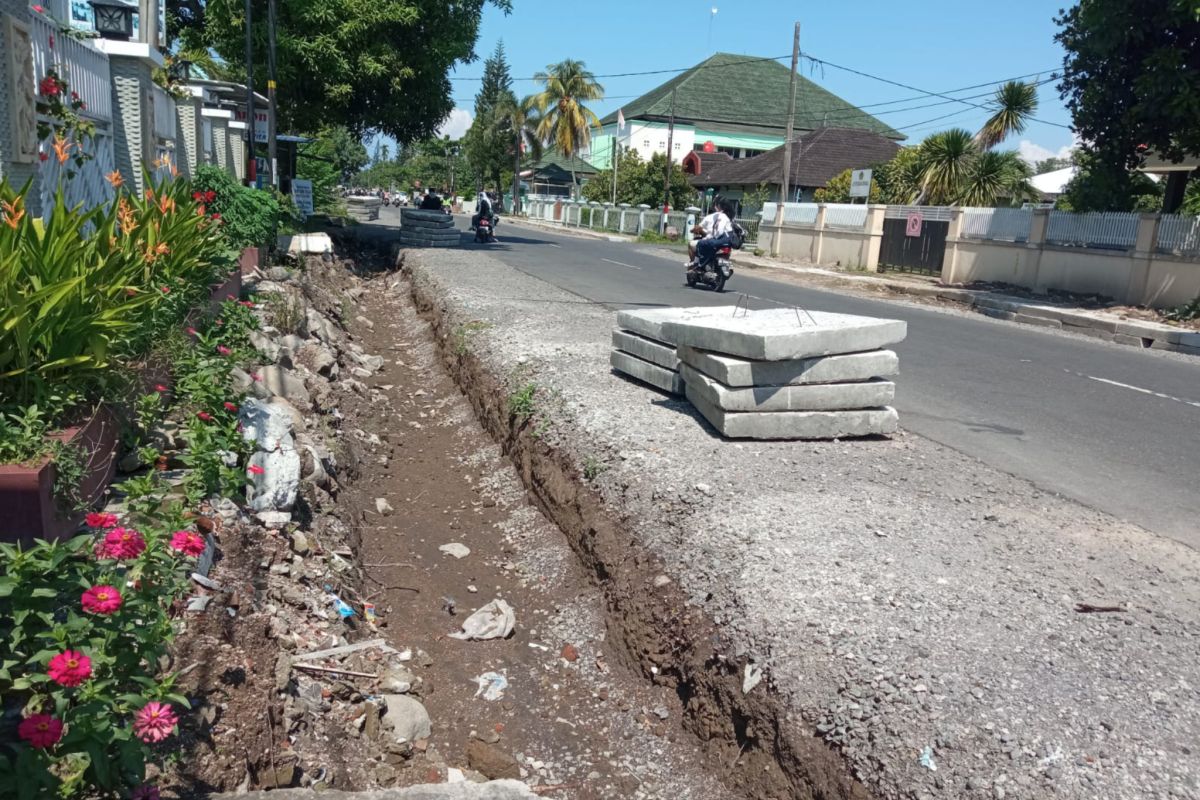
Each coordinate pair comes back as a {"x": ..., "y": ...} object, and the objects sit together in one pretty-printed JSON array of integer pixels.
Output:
[
  {"x": 431, "y": 202},
  {"x": 483, "y": 210},
  {"x": 716, "y": 234}
]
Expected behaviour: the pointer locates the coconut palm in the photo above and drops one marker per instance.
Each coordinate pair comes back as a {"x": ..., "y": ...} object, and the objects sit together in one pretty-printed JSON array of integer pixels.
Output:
[
  {"x": 1016, "y": 102},
  {"x": 566, "y": 123},
  {"x": 520, "y": 120},
  {"x": 945, "y": 159},
  {"x": 993, "y": 176}
]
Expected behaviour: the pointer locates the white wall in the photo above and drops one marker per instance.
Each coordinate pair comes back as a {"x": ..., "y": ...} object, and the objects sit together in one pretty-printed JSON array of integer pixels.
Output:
[{"x": 648, "y": 138}]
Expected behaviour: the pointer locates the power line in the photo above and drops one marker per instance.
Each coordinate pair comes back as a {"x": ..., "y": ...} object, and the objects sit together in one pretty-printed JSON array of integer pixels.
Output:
[{"x": 654, "y": 71}]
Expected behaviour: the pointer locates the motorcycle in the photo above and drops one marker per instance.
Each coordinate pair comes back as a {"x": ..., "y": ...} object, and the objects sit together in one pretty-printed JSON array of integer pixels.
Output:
[
  {"x": 485, "y": 230},
  {"x": 714, "y": 272}
]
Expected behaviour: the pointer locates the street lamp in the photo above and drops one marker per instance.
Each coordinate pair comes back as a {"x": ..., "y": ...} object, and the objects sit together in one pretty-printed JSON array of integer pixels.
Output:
[{"x": 114, "y": 19}]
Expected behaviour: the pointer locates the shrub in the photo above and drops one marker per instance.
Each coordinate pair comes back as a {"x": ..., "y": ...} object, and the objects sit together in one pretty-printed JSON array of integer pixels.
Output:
[{"x": 250, "y": 217}]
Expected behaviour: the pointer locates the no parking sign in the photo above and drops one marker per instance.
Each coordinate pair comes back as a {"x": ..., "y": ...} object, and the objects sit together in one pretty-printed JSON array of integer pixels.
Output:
[{"x": 914, "y": 224}]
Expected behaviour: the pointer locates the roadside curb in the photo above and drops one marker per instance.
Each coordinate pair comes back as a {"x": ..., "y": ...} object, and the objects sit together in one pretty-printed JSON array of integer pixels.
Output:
[{"x": 1141, "y": 334}]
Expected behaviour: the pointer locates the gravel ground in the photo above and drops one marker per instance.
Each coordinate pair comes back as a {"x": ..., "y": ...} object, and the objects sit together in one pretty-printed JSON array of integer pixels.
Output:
[{"x": 915, "y": 608}]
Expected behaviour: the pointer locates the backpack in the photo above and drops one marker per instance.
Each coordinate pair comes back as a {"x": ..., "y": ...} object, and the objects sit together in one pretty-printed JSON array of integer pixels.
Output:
[{"x": 737, "y": 236}]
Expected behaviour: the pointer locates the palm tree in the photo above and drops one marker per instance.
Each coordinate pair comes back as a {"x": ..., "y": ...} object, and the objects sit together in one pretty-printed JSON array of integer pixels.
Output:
[
  {"x": 945, "y": 159},
  {"x": 566, "y": 123},
  {"x": 995, "y": 175},
  {"x": 521, "y": 120},
  {"x": 1016, "y": 102}
]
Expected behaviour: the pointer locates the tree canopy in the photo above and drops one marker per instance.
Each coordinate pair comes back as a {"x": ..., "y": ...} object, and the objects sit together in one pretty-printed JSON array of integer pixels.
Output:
[
  {"x": 641, "y": 182},
  {"x": 838, "y": 190},
  {"x": 368, "y": 65},
  {"x": 489, "y": 142}
]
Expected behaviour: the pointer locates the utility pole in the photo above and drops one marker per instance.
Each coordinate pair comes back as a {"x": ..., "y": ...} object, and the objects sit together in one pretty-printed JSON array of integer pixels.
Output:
[
  {"x": 667, "y": 173},
  {"x": 516, "y": 189},
  {"x": 272, "y": 152},
  {"x": 616, "y": 153},
  {"x": 251, "y": 166},
  {"x": 787, "y": 142}
]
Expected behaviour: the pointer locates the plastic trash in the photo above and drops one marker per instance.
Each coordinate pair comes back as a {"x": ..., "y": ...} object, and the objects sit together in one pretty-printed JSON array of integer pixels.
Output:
[
  {"x": 751, "y": 678},
  {"x": 496, "y": 620},
  {"x": 340, "y": 606},
  {"x": 369, "y": 612},
  {"x": 927, "y": 759},
  {"x": 491, "y": 685}
]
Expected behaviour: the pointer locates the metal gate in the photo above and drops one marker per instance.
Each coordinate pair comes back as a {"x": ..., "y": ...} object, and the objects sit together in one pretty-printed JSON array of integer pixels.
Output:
[{"x": 924, "y": 253}]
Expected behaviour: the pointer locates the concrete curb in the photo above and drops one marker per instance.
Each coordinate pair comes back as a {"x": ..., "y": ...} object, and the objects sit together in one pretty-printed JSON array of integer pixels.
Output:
[{"x": 1141, "y": 334}]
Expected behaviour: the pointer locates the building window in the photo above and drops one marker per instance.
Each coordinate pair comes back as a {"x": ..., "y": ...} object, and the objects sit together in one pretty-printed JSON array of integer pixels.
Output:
[
  {"x": 661, "y": 144},
  {"x": 646, "y": 143},
  {"x": 677, "y": 145}
]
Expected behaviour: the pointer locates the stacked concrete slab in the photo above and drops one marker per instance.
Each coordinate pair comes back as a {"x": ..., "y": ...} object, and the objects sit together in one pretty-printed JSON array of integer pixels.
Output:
[
  {"x": 642, "y": 351},
  {"x": 788, "y": 374}
]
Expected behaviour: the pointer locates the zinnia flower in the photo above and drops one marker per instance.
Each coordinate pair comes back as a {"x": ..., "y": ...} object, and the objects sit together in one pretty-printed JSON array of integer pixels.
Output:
[
  {"x": 204, "y": 415},
  {"x": 41, "y": 730},
  {"x": 101, "y": 600},
  {"x": 230, "y": 407},
  {"x": 122, "y": 543},
  {"x": 158, "y": 387},
  {"x": 246, "y": 303},
  {"x": 154, "y": 722},
  {"x": 100, "y": 520},
  {"x": 189, "y": 543},
  {"x": 69, "y": 668},
  {"x": 255, "y": 469},
  {"x": 223, "y": 350},
  {"x": 198, "y": 196},
  {"x": 48, "y": 86},
  {"x": 210, "y": 196},
  {"x": 145, "y": 792},
  {"x": 191, "y": 331},
  {"x": 166, "y": 290}
]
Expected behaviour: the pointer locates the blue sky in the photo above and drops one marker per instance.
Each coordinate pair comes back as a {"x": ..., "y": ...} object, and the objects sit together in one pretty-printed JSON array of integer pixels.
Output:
[{"x": 933, "y": 45}]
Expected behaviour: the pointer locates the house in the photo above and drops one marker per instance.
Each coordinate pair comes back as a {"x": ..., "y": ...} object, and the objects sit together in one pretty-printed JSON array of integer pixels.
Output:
[
  {"x": 734, "y": 104},
  {"x": 817, "y": 156},
  {"x": 1051, "y": 185},
  {"x": 551, "y": 174}
]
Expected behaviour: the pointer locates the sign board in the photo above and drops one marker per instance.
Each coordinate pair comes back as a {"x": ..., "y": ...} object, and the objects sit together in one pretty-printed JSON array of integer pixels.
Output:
[
  {"x": 302, "y": 196},
  {"x": 860, "y": 183},
  {"x": 913, "y": 228},
  {"x": 260, "y": 123}
]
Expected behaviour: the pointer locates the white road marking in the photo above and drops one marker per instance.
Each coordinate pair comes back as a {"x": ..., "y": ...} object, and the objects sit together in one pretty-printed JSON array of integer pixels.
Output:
[
  {"x": 552, "y": 244},
  {"x": 1139, "y": 389},
  {"x": 620, "y": 263}
]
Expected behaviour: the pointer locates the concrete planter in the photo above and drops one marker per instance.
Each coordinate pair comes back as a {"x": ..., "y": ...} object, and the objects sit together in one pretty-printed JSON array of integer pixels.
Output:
[
  {"x": 250, "y": 259},
  {"x": 27, "y": 491},
  {"x": 219, "y": 292}
]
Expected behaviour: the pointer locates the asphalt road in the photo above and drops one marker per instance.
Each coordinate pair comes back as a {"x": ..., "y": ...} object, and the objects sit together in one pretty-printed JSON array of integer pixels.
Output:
[{"x": 1111, "y": 427}]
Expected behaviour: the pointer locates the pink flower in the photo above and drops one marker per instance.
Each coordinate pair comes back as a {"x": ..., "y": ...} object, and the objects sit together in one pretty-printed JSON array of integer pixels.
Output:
[
  {"x": 70, "y": 668},
  {"x": 189, "y": 543},
  {"x": 145, "y": 792},
  {"x": 256, "y": 376},
  {"x": 231, "y": 407},
  {"x": 48, "y": 86},
  {"x": 95, "y": 520},
  {"x": 158, "y": 387},
  {"x": 41, "y": 730},
  {"x": 230, "y": 297},
  {"x": 204, "y": 416},
  {"x": 39, "y": 9},
  {"x": 246, "y": 303},
  {"x": 121, "y": 543},
  {"x": 166, "y": 290},
  {"x": 255, "y": 469},
  {"x": 223, "y": 350},
  {"x": 191, "y": 331},
  {"x": 154, "y": 722},
  {"x": 102, "y": 600}
]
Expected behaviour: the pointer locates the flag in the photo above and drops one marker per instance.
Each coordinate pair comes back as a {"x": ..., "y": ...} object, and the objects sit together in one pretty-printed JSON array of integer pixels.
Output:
[{"x": 620, "y": 119}]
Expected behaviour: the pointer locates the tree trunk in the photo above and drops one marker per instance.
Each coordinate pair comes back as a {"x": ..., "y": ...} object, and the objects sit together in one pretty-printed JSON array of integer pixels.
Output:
[{"x": 516, "y": 188}]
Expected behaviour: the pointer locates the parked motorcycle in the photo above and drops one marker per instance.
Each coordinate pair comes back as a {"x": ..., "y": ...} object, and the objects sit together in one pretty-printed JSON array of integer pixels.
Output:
[
  {"x": 485, "y": 230},
  {"x": 713, "y": 273}
]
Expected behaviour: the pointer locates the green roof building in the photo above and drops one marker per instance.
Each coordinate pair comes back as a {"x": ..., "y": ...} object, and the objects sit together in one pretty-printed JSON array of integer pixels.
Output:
[{"x": 738, "y": 103}]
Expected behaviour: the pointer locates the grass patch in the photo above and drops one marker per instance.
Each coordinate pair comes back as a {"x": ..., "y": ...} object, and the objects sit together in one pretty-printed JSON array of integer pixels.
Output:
[
  {"x": 522, "y": 402},
  {"x": 651, "y": 237},
  {"x": 593, "y": 468},
  {"x": 285, "y": 311},
  {"x": 462, "y": 336}
]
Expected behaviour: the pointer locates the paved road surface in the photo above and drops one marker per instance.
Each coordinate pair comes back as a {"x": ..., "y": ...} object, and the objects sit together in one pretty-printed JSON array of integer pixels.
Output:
[{"x": 1114, "y": 428}]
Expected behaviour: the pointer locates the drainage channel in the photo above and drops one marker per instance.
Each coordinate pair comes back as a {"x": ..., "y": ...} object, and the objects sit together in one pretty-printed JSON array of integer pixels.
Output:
[{"x": 659, "y": 639}]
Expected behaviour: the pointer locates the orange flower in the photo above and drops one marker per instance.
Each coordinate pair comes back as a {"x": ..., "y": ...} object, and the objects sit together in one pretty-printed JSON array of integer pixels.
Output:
[
  {"x": 166, "y": 204},
  {"x": 174, "y": 171},
  {"x": 126, "y": 218},
  {"x": 62, "y": 148},
  {"x": 115, "y": 179},
  {"x": 152, "y": 253},
  {"x": 13, "y": 212}
]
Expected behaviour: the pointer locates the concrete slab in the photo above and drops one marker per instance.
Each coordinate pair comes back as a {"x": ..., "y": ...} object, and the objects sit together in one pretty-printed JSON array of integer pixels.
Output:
[
  {"x": 821, "y": 369},
  {"x": 796, "y": 424},
  {"x": 665, "y": 379},
  {"x": 812, "y": 397},
  {"x": 646, "y": 349},
  {"x": 648, "y": 322},
  {"x": 778, "y": 334}
]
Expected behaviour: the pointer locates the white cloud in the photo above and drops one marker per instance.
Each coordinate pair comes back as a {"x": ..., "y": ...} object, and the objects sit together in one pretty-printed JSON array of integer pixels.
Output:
[
  {"x": 1033, "y": 153},
  {"x": 456, "y": 124}
]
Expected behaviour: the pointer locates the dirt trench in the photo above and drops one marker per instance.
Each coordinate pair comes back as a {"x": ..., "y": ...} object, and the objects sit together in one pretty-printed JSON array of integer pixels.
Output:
[{"x": 748, "y": 742}]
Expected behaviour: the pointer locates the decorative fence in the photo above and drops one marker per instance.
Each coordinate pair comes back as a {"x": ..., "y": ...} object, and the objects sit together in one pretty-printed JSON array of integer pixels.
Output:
[
  {"x": 997, "y": 224},
  {"x": 845, "y": 215},
  {"x": 1100, "y": 230},
  {"x": 1179, "y": 235}
]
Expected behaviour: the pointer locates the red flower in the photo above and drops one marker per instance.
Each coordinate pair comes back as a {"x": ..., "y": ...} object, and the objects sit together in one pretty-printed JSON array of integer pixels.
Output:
[
  {"x": 189, "y": 543},
  {"x": 41, "y": 730},
  {"x": 120, "y": 543},
  {"x": 70, "y": 668},
  {"x": 246, "y": 303},
  {"x": 39, "y": 9},
  {"x": 204, "y": 416},
  {"x": 230, "y": 297},
  {"x": 145, "y": 792},
  {"x": 154, "y": 722},
  {"x": 95, "y": 520},
  {"x": 158, "y": 387},
  {"x": 215, "y": 217},
  {"x": 255, "y": 469},
  {"x": 230, "y": 407},
  {"x": 223, "y": 350},
  {"x": 43, "y": 157},
  {"x": 74, "y": 95},
  {"x": 198, "y": 196},
  {"x": 210, "y": 196},
  {"x": 49, "y": 86},
  {"x": 191, "y": 332},
  {"x": 166, "y": 290},
  {"x": 102, "y": 600}
]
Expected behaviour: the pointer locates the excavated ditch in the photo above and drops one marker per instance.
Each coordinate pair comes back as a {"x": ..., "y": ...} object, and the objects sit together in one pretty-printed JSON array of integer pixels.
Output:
[{"x": 750, "y": 743}]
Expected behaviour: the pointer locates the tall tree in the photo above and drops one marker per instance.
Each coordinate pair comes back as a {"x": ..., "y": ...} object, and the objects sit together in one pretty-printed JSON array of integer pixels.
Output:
[
  {"x": 566, "y": 122},
  {"x": 1052, "y": 164},
  {"x": 1131, "y": 79},
  {"x": 369, "y": 65},
  {"x": 1015, "y": 103},
  {"x": 518, "y": 122},
  {"x": 487, "y": 145}
]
